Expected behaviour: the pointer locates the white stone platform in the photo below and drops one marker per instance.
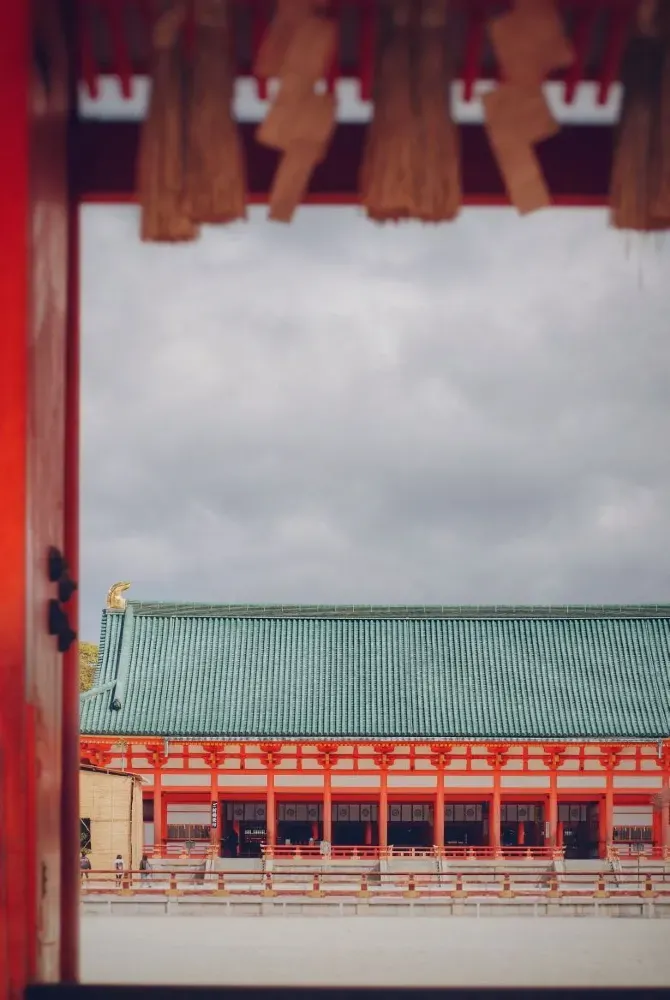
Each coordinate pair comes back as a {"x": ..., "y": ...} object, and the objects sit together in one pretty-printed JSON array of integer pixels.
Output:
[{"x": 459, "y": 951}]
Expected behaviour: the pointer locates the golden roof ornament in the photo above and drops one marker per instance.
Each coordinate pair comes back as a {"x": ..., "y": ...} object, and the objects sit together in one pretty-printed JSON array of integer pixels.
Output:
[{"x": 115, "y": 602}]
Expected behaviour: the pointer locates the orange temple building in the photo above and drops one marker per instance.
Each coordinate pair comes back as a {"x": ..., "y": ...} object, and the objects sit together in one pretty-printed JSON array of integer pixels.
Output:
[{"x": 486, "y": 730}]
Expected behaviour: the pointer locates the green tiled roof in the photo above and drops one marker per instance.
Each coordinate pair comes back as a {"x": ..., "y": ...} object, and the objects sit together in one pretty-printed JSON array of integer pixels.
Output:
[{"x": 311, "y": 672}]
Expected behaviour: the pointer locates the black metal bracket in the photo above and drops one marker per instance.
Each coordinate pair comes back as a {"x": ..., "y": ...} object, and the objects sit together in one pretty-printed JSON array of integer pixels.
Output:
[{"x": 58, "y": 622}]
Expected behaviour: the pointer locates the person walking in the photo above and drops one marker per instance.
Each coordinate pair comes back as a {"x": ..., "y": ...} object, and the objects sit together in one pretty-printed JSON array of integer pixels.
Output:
[
  {"x": 145, "y": 868},
  {"x": 84, "y": 865},
  {"x": 118, "y": 868}
]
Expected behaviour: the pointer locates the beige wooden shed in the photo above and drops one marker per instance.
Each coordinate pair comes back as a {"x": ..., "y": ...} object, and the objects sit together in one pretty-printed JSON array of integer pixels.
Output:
[{"x": 110, "y": 813}]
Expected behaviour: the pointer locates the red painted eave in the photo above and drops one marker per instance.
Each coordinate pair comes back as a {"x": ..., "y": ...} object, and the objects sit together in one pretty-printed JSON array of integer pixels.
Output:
[{"x": 114, "y": 39}]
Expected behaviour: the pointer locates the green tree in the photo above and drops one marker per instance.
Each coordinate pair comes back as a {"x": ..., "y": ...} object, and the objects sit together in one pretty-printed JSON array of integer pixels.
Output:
[{"x": 88, "y": 660}]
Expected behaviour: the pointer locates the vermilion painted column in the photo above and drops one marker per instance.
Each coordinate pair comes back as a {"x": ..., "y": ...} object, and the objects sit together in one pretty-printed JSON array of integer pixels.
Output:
[
  {"x": 438, "y": 828},
  {"x": 17, "y": 846},
  {"x": 158, "y": 812},
  {"x": 607, "y": 816},
  {"x": 553, "y": 809},
  {"x": 327, "y": 807},
  {"x": 494, "y": 827},
  {"x": 665, "y": 820},
  {"x": 271, "y": 810},
  {"x": 383, "y": 817},
  {"x": 215, "y": 831}
]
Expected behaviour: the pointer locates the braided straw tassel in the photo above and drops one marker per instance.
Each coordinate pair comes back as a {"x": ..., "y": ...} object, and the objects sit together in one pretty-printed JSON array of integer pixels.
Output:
[
  {"x": 636, "y": 164},
  {"x": 160, "y": 178},
  {"x": 215, "y": 188},
  {"x": 388, "y": 172},
  {"x": 438, "y": 170}
]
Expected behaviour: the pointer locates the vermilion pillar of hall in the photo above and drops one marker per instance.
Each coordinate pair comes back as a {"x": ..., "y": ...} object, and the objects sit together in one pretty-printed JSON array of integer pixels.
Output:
[
  {"x": 327, "y": 757},
  {"x": 327, "y": 808},
  {"x": 37, "y": 889},
  {"x": 663, "y": 761},
  {"x": 553, "y": 759},
  {"x": 609, "y": 759},
  {"x": 158, "y": 758},
  {"x": 496, "y": 758},
  {"x": 438, "y": 826},
  {"x": 384, "y": 757},
  {"x": 440, "y": 759},
  {"x": 270, "y": 758},
  {"x": 215, "y": 756}
]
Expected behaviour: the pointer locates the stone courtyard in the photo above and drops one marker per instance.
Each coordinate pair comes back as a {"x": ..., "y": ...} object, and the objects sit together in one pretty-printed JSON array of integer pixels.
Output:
[{"x": 375, "y": 951}]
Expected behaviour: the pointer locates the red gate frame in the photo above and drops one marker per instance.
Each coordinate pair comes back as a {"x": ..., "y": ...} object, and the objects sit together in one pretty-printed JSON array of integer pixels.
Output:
[{"x": 39, "y": 458}]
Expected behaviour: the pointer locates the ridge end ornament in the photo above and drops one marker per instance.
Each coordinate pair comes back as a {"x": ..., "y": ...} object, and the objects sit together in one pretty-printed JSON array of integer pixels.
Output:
[{"x": 115, "y": 602}]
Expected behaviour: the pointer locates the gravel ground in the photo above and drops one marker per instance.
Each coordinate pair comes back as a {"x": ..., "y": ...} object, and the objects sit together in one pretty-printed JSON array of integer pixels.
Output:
[{"x": 376, "y": 951}]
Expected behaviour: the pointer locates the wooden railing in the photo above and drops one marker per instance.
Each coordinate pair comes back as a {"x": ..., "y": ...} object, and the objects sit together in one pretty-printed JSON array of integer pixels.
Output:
[
  {"x": 473, "y": 884},
  {"x": 297, "y": 851},
  {"x": 640, "y": 850},
  {"x": 303, "y": 852}
]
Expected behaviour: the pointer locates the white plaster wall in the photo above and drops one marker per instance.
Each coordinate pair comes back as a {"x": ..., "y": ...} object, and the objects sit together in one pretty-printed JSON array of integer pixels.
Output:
[
  {"x": 240, "y": 780},
  {"x": 298, "y": 781},
  {"x": 184, "y": 778},
  {"x": 353, "y": 780},
  {"x": 412, "y": 781},
  {"x": 639, "y": 781},
  {"x": 525, "y": 781},
  {"x": 468, "y": 780},
  {"x": 577, "y": 781}
]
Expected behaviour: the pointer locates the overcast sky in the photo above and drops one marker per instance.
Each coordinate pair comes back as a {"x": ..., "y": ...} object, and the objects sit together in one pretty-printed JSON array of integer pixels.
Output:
[{"x": 335, "y": 412}]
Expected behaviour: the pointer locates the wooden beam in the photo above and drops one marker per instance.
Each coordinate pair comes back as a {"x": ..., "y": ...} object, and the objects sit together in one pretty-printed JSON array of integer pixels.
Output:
[{"x": 576, "y": 163}]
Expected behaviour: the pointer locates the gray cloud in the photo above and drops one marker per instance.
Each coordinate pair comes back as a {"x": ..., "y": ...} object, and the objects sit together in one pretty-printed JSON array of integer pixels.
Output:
[{"x": 337, "y": 412}]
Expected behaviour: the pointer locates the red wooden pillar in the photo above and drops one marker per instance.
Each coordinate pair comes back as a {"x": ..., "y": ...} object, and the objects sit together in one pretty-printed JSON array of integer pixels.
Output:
[
  {"x": 383, "y": 817},
  {"x": 553, "y": 810},
  {"x": 665, "y": 820},
  {"x": 327, "y": 807},
  {"x": 438, "y": 827},
  {"x": 33, "y": 296},
  {"x": 17, "y": 857},
  {"x": 496, "y": 811},
  {"x": 159, "y": 834},
  {"x": 215, "y": 830},
  {"x": 606, "y": 816},
  {"x": 271, "y": 811}
]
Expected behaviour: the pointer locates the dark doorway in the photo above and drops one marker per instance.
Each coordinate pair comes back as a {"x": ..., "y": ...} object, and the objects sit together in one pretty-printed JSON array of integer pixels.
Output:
[
  {"x": 244, "y": 829},
  {"x": 299, "y": 824},
  {"x": 466, "y": 824},
  {"x": 522, "y": 824},
  {"x": 410, "y": 824},
  {"x": 410, "y": 835},
  {"x": 294, "y": 833},
  {"x": 579, "y": 822},
  {"x": 354, "y": 824}
]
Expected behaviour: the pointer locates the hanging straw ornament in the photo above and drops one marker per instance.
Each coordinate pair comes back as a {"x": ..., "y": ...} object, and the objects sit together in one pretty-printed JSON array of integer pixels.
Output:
[
  {"x": 289, "y": 14},
  {"x": 388, "y": 172},
  {"x": 634, "y": 170},
  {"x": 160, "y": 177},
  {"x": 300, "y": 122},
  {"x": 438, "y": 168},
  {"x": 529, "y": 42},
  {"x": 215, "y": 188}
]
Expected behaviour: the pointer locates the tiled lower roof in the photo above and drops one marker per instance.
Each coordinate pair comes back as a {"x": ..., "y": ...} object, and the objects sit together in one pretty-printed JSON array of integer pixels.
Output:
[{"x": 249, "y": 672}]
